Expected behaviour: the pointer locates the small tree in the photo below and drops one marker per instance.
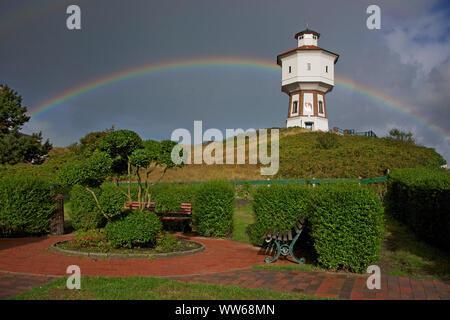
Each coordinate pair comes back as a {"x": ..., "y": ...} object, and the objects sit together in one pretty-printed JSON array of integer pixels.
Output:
[
  {"x": 91, "y": 174},
  {"x": 152, "y": 155},
  {"x": 397, "y": 134},
  {"x": 17, "y": 147},
  {"x": 90, "y": 142},
  {"x": 120, "y": 145}
]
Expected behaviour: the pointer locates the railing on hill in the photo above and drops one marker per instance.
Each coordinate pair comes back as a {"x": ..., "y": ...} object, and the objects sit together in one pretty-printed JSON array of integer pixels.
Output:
[
  {"x": 353, "y": 132},
  {"x": 310, "y": 181}
]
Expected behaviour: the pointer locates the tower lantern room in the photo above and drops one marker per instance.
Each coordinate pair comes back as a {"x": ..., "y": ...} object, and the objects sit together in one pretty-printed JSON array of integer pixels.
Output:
[{"x": 307, "y": 74}]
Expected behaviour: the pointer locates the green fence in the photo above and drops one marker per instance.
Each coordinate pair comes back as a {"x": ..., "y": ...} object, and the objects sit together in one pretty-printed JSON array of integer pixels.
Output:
[{"x": 309, "y": 181}]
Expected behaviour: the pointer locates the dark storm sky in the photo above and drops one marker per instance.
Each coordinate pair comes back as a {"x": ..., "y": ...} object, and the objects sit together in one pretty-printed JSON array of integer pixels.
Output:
[{"x": 408, "y": 60}]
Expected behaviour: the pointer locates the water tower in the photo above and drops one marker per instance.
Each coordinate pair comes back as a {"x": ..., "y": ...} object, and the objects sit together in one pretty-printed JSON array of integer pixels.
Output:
[{"x": 307, "y": 74}]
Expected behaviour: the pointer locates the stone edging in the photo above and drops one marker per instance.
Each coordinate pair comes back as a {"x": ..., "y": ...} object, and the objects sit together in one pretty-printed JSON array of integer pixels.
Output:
[{"x": 55, "y": 249}]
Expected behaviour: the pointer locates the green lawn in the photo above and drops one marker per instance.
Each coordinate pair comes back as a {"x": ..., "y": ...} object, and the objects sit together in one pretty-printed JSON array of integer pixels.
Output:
[
  {"x": 243, "y": 216},
  {"x": 149, "y": 288},
  {"x": 405, "y": 255}
]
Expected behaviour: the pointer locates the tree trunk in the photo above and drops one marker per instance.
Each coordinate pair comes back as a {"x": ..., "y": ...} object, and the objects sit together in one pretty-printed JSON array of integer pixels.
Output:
[
  {"x": 129, "y": 180},
  {"x": 98, "y": 203},
  {"x": 140, "y": 189}
]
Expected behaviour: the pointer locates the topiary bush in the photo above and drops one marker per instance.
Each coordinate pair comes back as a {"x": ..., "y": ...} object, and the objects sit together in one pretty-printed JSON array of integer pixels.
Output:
[
  {"x": 85, "y": 213},
  {"x": 420, "y": 198},
  {"x": 169, "y": 196},
  {"x": 346, "y": 223},
  {"x": 137, "y": 229},
  {"x": 278, "y": 206},
  {"x": 27, "y": 206},
  {"x": 213, "y": 209},
  {"x": 111, "y": 200}
]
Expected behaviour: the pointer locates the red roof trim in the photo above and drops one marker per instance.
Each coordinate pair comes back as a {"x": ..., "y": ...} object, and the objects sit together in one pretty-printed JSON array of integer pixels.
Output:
[{"x": 306, "y": 48}]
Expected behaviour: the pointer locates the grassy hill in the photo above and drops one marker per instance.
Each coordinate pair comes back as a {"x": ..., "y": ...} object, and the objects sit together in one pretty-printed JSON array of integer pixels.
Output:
[{"x": 303, "y": 154}]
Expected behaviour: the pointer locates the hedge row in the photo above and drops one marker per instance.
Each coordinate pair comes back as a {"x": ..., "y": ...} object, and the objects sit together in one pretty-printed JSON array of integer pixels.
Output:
[
  {"x": 420, "y": 198},
  {"x": 278, "y": 206},
  {"x": 212, "y": 204},
  {"x": 345, "y": 219},
  {"x": 27, "y": 206}
]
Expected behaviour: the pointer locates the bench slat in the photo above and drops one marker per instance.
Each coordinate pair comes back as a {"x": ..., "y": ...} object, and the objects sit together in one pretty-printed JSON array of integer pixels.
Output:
[
  {"x": 175, "y": 218},
  {"x": 289, "y": 235}
]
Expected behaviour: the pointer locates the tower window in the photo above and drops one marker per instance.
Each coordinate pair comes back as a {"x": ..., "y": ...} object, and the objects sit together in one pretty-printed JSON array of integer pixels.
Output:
[
  {"x": 320, "y": 107},
  {"x": 295, "y": 107},
  {"x": 326, "y": 69},
  {"x": 314, "y": 37},
  {"x": 308, "y": 66},
  {"x": 290, "y": 69}
]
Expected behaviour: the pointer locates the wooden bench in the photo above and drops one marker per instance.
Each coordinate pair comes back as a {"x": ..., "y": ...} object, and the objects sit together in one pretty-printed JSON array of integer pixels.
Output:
[
  {"x": 135, "y": 205},
  {"x": 284, "y": 241},
  {"x": 184, "y": 214}
]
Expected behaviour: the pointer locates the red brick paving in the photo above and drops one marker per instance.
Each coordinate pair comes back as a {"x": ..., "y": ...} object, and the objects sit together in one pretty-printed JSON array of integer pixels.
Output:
[
  {"x": 223, "y": 262},
  {"x": 343, "y": 286},
  {"x": 30, "y": 255},
  {"x": 13, "y": 284}
]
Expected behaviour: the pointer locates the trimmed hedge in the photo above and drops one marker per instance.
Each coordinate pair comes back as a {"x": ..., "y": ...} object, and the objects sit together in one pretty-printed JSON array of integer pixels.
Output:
[
  {"x": 139, "y": 228},
  {"x": 111, "y": 200},
  {"x": 345, "y": 220},
  {"x": 168, "y": 197},
  {"x": 346, "y": 226},
  {"x": 27, "y": 206},
  {"x": 278, "y": 206},
  {"x": 85, "y": 213},
  {"x": 420, "y": 198},
  {"x": 213, "y": 209}
]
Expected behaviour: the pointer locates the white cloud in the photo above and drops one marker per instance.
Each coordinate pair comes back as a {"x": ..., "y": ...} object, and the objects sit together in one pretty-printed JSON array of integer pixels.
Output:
[{"x": 422, "y": 41}]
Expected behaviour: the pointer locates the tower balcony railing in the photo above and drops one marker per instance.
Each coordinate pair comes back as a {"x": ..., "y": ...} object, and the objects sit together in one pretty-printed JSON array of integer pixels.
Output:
[{"x": 369, "y": 133}]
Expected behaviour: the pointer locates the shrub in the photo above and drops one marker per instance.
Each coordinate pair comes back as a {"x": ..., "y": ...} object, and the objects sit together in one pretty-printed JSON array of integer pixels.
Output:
[
  {"x": 94, "y": 238},
  {"x": 420, "y": 198},
  {"x": 346, "y": 226},
  {"x": 327, "y": 140},
  {"x": 167, "y": 243},
  {"x": 91, "y": 172},
  {"x": 85, "y": 213},
  {"x": 278, "y": 206},
  {"x": 213, "y": 209},
  {"x": 139, "y": 228},
  {"x": 27, "y": 206},
  {"x": 111, "y": 201},
  {"x": 169, "y": 196}
]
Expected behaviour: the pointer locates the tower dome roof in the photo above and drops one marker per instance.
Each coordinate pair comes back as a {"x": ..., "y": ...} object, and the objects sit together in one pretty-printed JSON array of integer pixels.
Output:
[{"x": 307, "y": 31}]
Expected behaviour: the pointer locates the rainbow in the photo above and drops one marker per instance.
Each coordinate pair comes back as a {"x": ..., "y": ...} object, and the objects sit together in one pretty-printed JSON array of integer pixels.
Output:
[{"x": 220, "y": 62}]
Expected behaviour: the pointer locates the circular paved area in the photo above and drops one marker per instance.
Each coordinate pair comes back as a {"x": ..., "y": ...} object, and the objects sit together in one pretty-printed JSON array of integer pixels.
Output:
[
  {"x": 223, "y": 262},
  {"x": 31, "y": 255}
]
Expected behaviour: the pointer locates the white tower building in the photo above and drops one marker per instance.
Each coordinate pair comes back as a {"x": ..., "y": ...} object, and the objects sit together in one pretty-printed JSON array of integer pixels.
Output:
[{"x": 307, "y": 74}]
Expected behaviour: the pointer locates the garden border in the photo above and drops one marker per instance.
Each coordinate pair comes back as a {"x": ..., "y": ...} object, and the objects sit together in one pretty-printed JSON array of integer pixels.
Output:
[{"x": 55, "y": 249}]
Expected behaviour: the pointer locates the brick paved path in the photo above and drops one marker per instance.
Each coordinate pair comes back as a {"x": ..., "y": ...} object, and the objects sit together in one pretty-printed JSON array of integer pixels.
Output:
[
  {"x": 344, "y": 286},
  {"x": 11, "y": 284},
  {"x": 221, "y": 263}
]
